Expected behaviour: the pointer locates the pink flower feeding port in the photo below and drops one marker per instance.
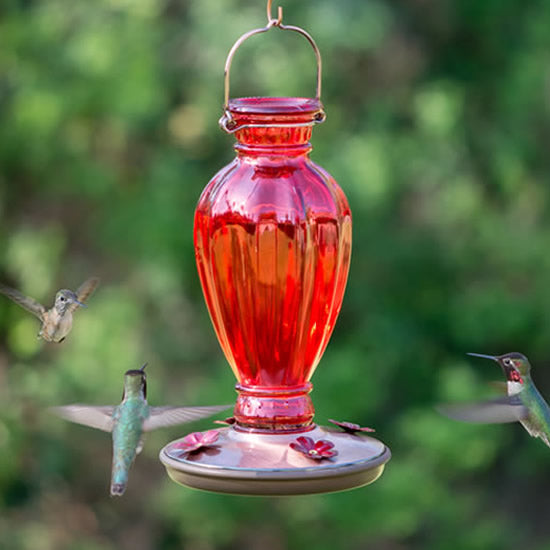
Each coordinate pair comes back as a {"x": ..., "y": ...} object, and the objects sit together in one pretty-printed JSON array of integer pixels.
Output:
[
  {"x": 195, "y": 442},
  {"x": 350, "y": 427},
  {"x": 317, "y": 450},
  {"x": 273, "y": 244}
]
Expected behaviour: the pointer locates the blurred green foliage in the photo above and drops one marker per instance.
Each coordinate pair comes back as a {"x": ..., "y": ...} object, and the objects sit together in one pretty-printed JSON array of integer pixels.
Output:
[{"x": 437, "y": 130}]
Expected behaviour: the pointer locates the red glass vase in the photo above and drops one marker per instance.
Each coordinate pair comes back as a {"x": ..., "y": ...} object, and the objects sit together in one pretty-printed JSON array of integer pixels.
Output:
[{"x": 273, "y": 241}]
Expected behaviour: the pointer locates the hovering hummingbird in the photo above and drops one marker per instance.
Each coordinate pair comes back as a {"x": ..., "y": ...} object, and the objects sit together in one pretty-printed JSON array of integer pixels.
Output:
[
  {"x": 58, "y": 320},
  {"x": 523, "y": 403},
  {"x": 129, "y": 420}
]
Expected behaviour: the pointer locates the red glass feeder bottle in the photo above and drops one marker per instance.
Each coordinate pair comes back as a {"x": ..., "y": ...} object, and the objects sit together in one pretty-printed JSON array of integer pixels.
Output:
[{"x": 273, "y": 244}]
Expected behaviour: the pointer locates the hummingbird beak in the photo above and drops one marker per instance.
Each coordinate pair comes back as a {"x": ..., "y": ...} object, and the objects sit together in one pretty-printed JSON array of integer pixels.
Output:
[
  {"x": 143, "y": 368},
  {"x": 493, "y": 357},
  {"x": 79, "y": 303}
]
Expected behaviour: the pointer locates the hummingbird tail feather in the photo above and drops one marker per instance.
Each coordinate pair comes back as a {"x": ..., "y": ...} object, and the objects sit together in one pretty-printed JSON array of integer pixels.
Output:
[
  {"x": 119, "y": 480},
  {"x": 117, "y": 489},
  {"x": 122, "y": 460}
]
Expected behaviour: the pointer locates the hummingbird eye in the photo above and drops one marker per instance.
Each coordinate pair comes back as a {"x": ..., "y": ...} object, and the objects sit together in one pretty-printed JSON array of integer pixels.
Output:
[{"x": 62, "y": 298}]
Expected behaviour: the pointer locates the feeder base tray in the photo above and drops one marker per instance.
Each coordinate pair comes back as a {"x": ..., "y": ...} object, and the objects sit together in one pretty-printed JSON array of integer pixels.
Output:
[{"x": 247, "y": 463}]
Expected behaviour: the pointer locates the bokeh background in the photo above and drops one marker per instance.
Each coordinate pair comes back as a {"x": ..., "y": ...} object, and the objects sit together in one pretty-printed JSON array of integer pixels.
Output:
[{"x": 438, "y": 129}]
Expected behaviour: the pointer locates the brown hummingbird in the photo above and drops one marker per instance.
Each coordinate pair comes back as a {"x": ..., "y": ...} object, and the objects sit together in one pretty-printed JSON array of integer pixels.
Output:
[{"x": 58, "y": 320}]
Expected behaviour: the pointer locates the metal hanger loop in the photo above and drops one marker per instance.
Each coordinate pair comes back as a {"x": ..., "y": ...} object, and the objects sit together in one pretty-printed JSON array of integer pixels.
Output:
[
  {"x": 274, "y": 22},
  {"x": 226, "y": 122}
]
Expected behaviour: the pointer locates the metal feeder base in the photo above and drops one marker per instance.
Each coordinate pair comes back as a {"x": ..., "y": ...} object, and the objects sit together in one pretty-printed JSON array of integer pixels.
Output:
[{"x": 245, "y": 463}]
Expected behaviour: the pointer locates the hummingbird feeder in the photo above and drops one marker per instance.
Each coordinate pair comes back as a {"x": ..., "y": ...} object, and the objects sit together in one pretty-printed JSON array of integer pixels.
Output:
[{"x": 272, "y": 242}]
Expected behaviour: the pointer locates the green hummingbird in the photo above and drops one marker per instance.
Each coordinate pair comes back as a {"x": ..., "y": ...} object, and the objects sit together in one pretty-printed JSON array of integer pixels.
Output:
[
  {"x": 523, "y": 402},
  {"x": 57, "y": 321},
  {"x": 129, "y": 420}
]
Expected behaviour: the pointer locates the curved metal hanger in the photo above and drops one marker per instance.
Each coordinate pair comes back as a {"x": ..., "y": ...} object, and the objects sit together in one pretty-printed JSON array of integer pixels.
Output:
[{"x": 227, "y": 122}]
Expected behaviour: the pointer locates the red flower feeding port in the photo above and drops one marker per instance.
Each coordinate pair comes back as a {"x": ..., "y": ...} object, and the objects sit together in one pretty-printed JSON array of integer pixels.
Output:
[
  {"x": 317, "y": 450},
  {"x": 273, "y": 243}
]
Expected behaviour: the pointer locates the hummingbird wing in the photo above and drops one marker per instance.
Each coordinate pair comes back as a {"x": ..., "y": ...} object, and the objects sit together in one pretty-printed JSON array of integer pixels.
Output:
[
  {"x": 95, "y": 417},
  {"x": 496, "y": 411},
  {"x": 84, "y": 291},
  {"x": 169, "y": 416},
  {"x": 36, "y": 308}
]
